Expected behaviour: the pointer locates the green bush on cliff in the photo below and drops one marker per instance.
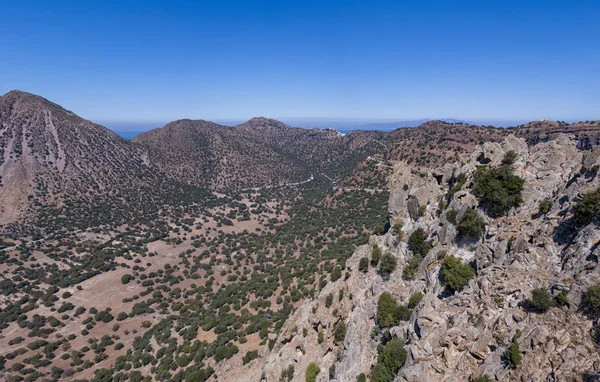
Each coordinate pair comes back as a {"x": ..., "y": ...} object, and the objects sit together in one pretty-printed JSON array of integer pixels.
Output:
[
  {"x": 311, "y": 372},
  {"x": 588, "y": 209},
  {"x": 456, "y": 275},
  {"x": 471, "y": 225},
  {"x": 498, "y": 189}
]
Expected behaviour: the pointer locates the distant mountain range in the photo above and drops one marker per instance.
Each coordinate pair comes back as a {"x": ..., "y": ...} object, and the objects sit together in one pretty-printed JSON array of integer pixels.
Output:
[
  {"x": 56, "y": 165},
  {"x": 131, "y": 129}
]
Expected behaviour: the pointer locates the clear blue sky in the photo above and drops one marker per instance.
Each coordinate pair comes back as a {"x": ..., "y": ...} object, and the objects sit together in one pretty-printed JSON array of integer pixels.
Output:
[{"x": 158, "y": 61}]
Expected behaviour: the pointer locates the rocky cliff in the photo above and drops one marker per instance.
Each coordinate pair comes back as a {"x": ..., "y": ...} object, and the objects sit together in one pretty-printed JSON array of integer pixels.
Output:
[{"x": 464, "y": 335}]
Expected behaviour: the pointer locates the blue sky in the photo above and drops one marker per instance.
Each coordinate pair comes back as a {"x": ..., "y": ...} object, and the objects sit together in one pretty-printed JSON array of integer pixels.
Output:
[{"x": 142, "y": 61}]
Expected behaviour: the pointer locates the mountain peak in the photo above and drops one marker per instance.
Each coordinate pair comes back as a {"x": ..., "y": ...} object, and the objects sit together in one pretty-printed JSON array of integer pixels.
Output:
[
  {"x": 262, "y": 123},
  {"x": 26, "y": 100}
]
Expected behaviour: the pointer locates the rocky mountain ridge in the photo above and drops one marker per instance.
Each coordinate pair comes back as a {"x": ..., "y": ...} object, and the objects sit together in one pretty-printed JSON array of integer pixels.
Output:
[
  {"x": 465, "y": 335},
  {"x": 257, "y": 153}
]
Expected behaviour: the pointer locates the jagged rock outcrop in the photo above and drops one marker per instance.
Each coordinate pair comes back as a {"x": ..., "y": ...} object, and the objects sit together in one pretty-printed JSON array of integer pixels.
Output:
[{"x": 464, "y": 335}]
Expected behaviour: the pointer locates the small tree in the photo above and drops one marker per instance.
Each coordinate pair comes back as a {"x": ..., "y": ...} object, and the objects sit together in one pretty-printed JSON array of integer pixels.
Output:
[
  {"x": 456, "y": 274},
  {"x": 311, "y": 372},
  {"x": 336, "y": 273},
  {"x": 386, "y": 310},
  {"x": 394, "y": 355},
  {"x": 363, "y": 265},
  {"x": 544, "y": 207},
  {"x": 588, "y": 209},
  {"x": 380, "y": 373},
  {"x": 414, "y": 300},
  {"x": 379, "y": 230},
  {"x": 471, "y": 225},
  {"x": 541, "y": 300},
  {"x": 509, "y": 158},
  {"x": 126, "y": 278},
  {"x": 590, "y": 303},
  {"x": 375, "y": 256},
  {"x": 340, "y": 332},
  {"x": 398, "y": 230},
  {"x": 328, "y": 300},
  {"x": 388, "y": 264},
  {"x": 512, "y": 355},
  {"x": 417, "y": 242},
  {"x": 498, "y": 189}
]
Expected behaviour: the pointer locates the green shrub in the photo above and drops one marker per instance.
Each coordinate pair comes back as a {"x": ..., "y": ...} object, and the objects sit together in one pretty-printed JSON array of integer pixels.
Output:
[
  {"x": 361, "y": 378},
  {"x": 336, "y": 273},
  {"x": 249, "y": 356},
  {"x": 451, "y": 216},
  {"x": 417, "y": 242},
  {"x": 483, "y": 378},
  {"x": 588, "y": 209},
  {"x": 379, "y": 230},
  {"x": 410, "y": 269},
  {"x": 590, "y": 303},
  {"x": 225, "y": 351},
  {"x": 311, "y": 372},
  {"x": 509, "y": 158},
  {"x": 391, "y": 358},
  {"x": 393, "y": 355},
  {"x": 328, "y": 300},
  {"x": 126, "y": 278},
  {"x": 386, "y": 310},
  {"x": 541, "y": 300},
  {"x": 498, "y": 189},
  {"x": 340, "y": 332},
  {"x": 375, "y": 256},
  {"x": 380, "y": 373},
  {"x": 397, "y": 228},
  {"x": 287, "y": 374},
  {"x": 561, "y": 299},
  {"x": 389, "y": 312},
  {"x": 363, "y": 265},
  {"x": 456, "y": 275},
  {"x": 456, "y": 183},
  {"x": 388, "y": 264},
  {"x": 471, "y": 225},
  {"x": 544, "y": 207},
  {"x": 512, "y": 356},
  {"x": 414, "y": 300}
]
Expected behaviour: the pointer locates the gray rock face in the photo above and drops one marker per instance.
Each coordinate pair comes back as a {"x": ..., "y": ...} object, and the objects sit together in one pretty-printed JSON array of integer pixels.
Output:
[{"x": 459, "y": 337}]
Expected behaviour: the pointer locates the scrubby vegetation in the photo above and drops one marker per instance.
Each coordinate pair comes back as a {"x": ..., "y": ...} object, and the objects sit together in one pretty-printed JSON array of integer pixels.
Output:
[
  {"x": 544, "y": 207},
  {"x": 391, "y": 358},
  {"x": 417, "y": 242},
  {"x": 388, "y": 264},
  {"x": 497, "y": 188},
  {"x": 590, "y": 302},
  {"x": 389, "y": 312},
  {"x": 311, "y": 372},
  {"x": 471, "y": 225},
  {"x": 363, "y": 264},
  {"x": 456, "y": 274},
  {"x": 226, "y": 285},
  {"x": 588, "y": 209},
  {"x": 375, "y": 256},
  {"x": 512, "y": 356},
  {"x": 541, "y": 300}
]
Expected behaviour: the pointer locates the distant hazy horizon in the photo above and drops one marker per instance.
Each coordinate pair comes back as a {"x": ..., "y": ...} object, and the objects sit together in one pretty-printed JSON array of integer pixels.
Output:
[{"x": 129, "y": 129}]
